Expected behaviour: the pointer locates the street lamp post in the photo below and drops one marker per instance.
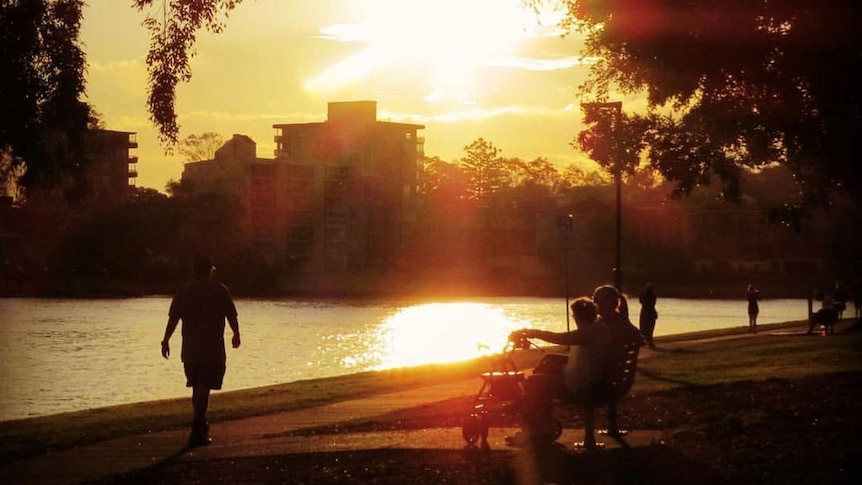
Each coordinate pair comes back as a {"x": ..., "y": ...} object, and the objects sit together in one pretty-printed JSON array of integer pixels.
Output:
[
  {"x": 565, "y": 229},
  {"x": 615, "y": 109}
]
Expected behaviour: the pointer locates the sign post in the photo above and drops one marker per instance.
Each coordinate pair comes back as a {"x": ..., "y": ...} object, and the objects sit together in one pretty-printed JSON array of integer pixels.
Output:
[{"x": 565, "y": 230}]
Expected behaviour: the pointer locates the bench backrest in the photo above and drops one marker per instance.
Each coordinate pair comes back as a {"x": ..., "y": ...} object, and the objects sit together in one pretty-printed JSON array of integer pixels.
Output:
[{"x": 620, "y": 374}]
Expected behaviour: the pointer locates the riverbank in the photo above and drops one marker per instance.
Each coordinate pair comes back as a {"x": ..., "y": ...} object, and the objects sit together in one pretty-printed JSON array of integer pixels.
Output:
[
  {"x": 725, "y": 405},
  {"x": 436, "y": 285}
]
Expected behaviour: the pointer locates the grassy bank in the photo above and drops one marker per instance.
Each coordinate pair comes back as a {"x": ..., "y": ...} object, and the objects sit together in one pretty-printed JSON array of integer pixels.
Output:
[{"x": 681, "y": 362}]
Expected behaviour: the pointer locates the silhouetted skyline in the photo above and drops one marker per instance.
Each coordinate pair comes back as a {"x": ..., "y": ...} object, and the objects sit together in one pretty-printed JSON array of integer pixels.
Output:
[{"x": 500, "y": 75}]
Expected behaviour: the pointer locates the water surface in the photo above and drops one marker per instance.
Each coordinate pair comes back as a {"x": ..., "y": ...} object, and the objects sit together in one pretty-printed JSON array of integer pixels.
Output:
[{"x": 67, "y": 355}]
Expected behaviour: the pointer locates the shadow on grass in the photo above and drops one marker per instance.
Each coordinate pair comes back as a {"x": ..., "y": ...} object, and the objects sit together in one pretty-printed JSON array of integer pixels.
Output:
[
  {"x": 146, "y": 475},
  {"x": 656, "y": 464},
  {"x": 659, "y": 377},
  {"x": 671, "y": 350}
]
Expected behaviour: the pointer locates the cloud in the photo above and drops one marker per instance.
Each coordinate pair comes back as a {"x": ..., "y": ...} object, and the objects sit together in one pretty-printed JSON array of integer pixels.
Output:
[
  {"x": 343, "y": 33},
  {"x": 475, "y": 114},
  {"x": 539, "y": 64},
  {"x": 124, "y": 65}
]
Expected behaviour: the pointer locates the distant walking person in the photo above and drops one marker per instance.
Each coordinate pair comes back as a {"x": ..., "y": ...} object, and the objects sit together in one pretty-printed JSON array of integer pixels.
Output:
[
  {"x": 753, "y": 307},
  {"x": 648, "y": 314},
  {"x": 203, "y": 305}
]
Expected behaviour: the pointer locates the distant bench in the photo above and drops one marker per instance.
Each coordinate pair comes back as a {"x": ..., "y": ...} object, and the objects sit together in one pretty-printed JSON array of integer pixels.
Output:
[{"x": 827, "y": 317}]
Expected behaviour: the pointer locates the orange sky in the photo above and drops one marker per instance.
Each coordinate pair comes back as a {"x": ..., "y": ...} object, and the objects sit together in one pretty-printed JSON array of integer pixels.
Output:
[{"x": 463, "y": 68}]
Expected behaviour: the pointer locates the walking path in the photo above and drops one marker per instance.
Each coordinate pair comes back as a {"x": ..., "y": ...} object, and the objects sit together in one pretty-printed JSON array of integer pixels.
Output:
[{"x": 267, "y": 435}]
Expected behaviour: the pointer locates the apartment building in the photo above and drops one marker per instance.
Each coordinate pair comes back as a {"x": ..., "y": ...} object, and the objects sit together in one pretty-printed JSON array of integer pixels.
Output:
[
  {"x": 111, "y": 169},
  {"x": 338, "y": 196}
]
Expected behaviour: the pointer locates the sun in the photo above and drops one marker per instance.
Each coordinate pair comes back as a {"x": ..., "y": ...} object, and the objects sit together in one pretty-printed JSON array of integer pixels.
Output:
[
  {"x": 450, "y": 39},
  {"x": 442, "y": 332}
]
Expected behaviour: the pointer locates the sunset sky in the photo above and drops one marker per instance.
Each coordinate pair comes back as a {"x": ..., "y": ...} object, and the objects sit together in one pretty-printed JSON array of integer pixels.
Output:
[{"x": 463, "y": 68}]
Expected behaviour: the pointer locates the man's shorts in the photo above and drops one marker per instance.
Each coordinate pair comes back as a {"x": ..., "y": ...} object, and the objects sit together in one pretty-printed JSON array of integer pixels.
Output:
[{"x": 204, "y": 374}]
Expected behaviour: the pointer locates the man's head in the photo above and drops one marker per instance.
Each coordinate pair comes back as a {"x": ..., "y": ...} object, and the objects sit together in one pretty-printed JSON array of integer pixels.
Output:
[
  {"x": 584, "y": 311},
  {"x": 203, "y": 266},
  {"x": 607, "y": 299}
]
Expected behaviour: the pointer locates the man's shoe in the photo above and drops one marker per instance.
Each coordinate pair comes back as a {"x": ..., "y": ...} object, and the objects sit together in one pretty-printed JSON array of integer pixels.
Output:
[
  {"x": 199, "y": 440},
  {"x": 200, "y": 435}
]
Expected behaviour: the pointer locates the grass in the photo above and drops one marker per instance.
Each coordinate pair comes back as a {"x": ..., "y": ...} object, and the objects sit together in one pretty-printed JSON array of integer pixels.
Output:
[{"x": 26, "y": 437}]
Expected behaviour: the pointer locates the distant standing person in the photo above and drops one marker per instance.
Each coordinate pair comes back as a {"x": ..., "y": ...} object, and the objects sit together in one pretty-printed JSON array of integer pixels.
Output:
[
  {"x": 648, "y": 314},
  {"x": 203, "y": 305},
  {"x": 753, "y": 307}
]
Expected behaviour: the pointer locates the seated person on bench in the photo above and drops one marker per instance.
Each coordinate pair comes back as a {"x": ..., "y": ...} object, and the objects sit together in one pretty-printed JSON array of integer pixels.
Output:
[
  {"x": 590, "y": 341},
  {"x": 826, "y": 316},
  {"x": 597, "y": 344}
]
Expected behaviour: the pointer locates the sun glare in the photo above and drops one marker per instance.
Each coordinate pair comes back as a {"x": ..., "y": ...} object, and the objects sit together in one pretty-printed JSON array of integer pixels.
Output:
[
  {"x": 448, "y": 38},
  {"x": 443, "y": 332}
]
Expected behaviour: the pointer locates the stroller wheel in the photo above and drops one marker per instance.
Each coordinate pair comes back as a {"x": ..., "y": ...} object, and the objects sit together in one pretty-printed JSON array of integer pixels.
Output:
[
  {"x": 471, "y": 428},
  {"x": 549, "y": 432}
]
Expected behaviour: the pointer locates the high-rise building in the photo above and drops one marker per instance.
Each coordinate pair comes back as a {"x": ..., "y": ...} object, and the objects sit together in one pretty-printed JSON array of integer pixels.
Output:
[
  {"x": 338, "y": 197},
  {"x": 111, "y": 170},
  {"x": 353, "y": 185}
]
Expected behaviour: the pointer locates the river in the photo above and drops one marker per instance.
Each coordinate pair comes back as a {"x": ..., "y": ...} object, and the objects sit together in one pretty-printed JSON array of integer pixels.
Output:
[{"x": 66, "y": 355}]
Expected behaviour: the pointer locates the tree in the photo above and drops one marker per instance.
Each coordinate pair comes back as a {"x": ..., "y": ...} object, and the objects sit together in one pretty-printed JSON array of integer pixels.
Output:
[
  {"x": 173, "y": 30},
  {"x": 611, "y": 139},
  {"x": 44, "y": 120},
  {"x": 484, "y": 169},
  {"x": 540, "y": 172},
  {"x": 573, "y": 176},
  {"x": 200, "y": 147},
  {"x": 735, "y": 85},
  {"x": 442, "y": 179},
  {"x": 10, "y": 176}
]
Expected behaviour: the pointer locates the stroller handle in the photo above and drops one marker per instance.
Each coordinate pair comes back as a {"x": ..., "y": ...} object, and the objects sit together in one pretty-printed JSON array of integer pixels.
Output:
[{"x": 518, "y": 340}]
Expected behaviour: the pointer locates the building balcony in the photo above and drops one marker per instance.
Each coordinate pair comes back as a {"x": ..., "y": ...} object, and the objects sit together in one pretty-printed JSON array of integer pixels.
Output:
[
  {"x": 133, "y": 167},
  {"x": 133, "y": 140}
]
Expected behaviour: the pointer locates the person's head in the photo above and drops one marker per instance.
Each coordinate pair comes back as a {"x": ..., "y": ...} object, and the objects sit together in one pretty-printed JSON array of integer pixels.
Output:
[
  {"x": 203, "y": 266},
  {"x": 607, "y": 299},
  {"x": 584, "y": 311}
]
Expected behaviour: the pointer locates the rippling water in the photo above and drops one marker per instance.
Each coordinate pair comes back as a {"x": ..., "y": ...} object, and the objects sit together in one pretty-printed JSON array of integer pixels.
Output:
[{"x": 67, "y": 355}]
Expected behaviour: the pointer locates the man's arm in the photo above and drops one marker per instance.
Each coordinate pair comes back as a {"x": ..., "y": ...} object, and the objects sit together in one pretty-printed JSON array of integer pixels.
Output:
[
  {"x": 234, "y": 326},
  {"x": 560, "y": 338},
  {"x": 169, "y": 330}
]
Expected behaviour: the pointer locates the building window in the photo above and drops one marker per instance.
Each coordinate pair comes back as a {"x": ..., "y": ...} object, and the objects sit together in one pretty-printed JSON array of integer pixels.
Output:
[
  {"x": 300, "y": 243},
  {"x": 336, "y": 180}
]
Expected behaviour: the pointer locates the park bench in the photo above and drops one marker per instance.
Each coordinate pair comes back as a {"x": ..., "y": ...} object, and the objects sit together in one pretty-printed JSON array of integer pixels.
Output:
[
  {"x": 616, "y": 384},
  {"x": 826, "y": 318}
]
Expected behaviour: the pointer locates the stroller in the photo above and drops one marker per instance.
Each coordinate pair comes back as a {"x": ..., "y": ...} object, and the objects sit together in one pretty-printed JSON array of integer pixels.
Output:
[{"x": 502, "y": 391}]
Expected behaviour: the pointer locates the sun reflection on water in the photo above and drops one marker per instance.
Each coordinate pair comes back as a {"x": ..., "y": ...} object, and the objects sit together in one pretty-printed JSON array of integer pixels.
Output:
[{"x": 440, "y": 333}]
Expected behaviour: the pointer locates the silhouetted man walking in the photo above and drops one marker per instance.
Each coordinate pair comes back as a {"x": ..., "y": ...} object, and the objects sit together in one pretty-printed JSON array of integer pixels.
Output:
[{"x": 203, "y": 305}]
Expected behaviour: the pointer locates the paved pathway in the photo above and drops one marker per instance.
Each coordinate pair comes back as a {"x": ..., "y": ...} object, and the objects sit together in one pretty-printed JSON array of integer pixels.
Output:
[{"x": 266, "y": 435}]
